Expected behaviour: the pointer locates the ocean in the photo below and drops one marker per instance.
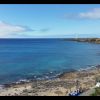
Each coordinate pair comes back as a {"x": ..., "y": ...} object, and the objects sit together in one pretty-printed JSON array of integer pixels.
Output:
[{"x": 26, "y": 59}]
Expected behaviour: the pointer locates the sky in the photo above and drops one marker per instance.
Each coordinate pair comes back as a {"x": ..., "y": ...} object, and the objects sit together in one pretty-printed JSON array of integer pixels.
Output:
[{"x": 49, "y": 20}]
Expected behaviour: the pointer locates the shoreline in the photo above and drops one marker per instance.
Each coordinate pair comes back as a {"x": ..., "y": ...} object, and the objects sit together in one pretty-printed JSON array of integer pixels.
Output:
[
  {"x": 61, "y": 85},
  {"x": 58, "y": 75}
]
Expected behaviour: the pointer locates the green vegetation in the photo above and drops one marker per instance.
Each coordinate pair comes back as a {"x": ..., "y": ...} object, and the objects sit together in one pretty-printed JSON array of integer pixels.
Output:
[{"x": 97, "y": 92}]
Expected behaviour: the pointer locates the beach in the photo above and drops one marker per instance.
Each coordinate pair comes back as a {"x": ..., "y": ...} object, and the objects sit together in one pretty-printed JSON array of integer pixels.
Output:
[{"x": 61, "y": 86}]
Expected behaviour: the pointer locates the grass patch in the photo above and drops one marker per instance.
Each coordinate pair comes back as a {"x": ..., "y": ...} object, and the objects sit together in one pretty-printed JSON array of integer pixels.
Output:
[{"x": 97, "y": 92}]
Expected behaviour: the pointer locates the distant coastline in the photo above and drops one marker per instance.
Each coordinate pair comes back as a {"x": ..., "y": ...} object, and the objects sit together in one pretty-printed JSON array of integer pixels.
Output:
[{"x": 90, "y": 40}]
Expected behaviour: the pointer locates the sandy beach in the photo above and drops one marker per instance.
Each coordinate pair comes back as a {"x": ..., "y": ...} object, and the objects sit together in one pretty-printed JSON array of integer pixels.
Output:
[{"x": 60, "y": 86}]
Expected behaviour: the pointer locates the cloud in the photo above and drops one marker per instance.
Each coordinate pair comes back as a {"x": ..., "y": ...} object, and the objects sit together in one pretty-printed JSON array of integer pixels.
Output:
[
  {"x": 91, "y": 14},
  {"x": 7, "y": 29},
  {"x": 44, "y": 30}
]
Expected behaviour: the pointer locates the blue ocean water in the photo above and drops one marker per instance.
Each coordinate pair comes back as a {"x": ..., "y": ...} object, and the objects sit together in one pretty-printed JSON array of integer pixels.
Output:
[{"x": 43, "y": 58}]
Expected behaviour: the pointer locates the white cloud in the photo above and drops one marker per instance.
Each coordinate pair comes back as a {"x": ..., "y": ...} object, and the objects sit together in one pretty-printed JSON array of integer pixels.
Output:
[
  {"x": 17, "y": 31},
  {"x": 7, "y": 29},
  {"x": 93, "y": 14}
]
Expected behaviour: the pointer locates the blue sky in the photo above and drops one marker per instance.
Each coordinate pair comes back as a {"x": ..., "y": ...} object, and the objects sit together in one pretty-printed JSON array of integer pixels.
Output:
[{"x": 49, "y": 20}]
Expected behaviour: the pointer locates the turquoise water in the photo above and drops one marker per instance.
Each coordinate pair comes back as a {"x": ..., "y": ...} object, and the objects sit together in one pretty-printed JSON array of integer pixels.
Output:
[{"x": 43, "y": 58}]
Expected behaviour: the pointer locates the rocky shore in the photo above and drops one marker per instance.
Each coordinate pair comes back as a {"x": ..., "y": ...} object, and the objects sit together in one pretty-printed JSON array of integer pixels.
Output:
[{"x": 60, "y": 86}]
